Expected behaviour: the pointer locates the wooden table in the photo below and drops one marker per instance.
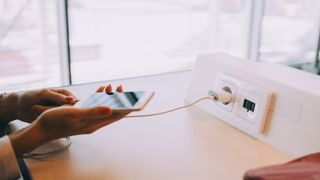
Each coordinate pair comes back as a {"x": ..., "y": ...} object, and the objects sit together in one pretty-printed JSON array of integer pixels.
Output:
[{"x": 188, "y": 144}]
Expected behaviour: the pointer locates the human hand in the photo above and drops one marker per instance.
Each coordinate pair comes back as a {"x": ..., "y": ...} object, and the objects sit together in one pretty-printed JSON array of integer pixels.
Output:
[
  {"x": 62, "y": 122},
  {"x": 68, "y": 121},
  {"x": 32, "y": 103}
]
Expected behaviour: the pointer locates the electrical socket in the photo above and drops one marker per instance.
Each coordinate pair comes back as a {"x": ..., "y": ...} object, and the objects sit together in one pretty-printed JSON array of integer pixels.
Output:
[{"x": 222, "y": 83}]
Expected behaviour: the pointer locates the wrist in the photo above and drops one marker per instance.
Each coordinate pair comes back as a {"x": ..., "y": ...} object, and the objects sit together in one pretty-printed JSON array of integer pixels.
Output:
[
  {"x": 8, "y": 107},
  {"x": 27, "y": 139}
]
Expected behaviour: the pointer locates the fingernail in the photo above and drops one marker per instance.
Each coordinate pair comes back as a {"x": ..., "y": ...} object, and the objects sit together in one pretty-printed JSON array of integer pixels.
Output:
[
  {"x": 120, "y": 88},
  {"x": 69, "y": 98},
  {"x": 74, "y": 101},
  {"x": 107, "y": 111}
]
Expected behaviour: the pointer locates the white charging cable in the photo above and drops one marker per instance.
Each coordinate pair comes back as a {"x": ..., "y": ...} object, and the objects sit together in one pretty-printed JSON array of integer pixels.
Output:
[
  {"x": 221, "y": 96},
  {"x": 34, "y": 155}
]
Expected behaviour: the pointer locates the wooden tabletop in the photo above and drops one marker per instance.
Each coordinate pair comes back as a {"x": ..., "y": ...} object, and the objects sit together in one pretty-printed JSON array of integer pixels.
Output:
[{"x": 187, "y": 144}]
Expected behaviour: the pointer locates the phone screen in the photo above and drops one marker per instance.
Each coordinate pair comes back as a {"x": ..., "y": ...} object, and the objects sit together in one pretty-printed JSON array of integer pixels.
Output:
[{"x": 125, "y": 100}]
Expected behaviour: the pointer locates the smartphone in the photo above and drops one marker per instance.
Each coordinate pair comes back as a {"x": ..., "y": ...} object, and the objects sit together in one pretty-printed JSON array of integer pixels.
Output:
[{"x": 119, "y": 102}]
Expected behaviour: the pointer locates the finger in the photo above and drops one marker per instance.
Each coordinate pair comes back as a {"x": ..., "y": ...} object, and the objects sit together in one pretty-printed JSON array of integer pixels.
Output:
[
  {"x": 54, "y": 97},
  {"x": 71, "y": 98},
  {"x": 64, "y": 92},
  {"x": 100, "y": 89},
  {"x": 108, "y": 89},
  {"x": 120, "y": 89},
  {"x": 96, "y": 112}
]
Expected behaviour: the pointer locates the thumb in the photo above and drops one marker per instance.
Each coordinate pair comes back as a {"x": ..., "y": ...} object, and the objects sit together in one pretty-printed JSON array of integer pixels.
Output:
[{"x": 97, "y": 111}]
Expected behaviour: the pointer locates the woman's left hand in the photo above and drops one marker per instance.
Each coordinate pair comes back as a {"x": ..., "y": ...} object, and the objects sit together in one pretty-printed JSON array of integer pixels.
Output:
[{"x": 32, "y": 103}]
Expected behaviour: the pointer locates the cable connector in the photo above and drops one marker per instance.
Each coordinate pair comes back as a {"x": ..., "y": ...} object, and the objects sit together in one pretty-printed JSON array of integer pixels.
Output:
[{"x": 223, "y": 96}]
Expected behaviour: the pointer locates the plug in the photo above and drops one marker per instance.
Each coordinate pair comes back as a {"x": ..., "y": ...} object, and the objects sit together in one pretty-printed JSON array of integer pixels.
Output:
[{"x": 224, "y": 95}]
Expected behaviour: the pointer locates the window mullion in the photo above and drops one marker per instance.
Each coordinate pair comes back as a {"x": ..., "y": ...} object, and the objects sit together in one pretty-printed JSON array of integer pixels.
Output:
[
  {"x": 255, "y": 15},
  {"x": 64, "y": 47}
]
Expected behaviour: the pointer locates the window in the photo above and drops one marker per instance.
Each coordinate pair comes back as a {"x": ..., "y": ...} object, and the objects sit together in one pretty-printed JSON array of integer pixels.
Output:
[
  {"x": 119, "y": 38},
  {"x": 290, "y": 30},
  {"x": 29, "y": 46}
]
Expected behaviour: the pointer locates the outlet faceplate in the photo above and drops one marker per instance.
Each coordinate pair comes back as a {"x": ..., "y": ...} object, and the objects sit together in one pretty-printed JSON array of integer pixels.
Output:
[
  {"x": 250, "y": 104},
  {"x": 220, "y": 84}
]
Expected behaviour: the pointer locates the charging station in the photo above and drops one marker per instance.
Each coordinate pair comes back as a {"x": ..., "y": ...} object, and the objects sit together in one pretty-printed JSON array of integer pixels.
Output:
[{"x": 275, "y": 104}]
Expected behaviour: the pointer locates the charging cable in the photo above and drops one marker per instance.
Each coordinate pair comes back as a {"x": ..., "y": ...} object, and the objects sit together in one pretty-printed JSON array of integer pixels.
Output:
[
  {"x": 34, "y": 155},
  {"x": 222, "y": 96}
]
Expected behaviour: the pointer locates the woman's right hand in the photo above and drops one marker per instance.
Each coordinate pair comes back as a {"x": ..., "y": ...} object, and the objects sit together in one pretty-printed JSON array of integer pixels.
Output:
[{"x": 62, "y": 122}]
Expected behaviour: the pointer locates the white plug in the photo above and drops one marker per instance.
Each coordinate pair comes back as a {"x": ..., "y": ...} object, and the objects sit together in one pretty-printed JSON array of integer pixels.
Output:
[{"x": 224, "y": 96}]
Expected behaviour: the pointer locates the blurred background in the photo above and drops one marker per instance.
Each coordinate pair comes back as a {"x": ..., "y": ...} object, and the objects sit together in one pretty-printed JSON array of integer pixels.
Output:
[{"x": 48, "y": 43}]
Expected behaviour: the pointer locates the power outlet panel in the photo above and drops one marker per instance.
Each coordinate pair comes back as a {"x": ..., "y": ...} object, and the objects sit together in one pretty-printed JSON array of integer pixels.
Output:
[
  {"x": 294, "y": 104},
  {"x": 250, "y": 104}
]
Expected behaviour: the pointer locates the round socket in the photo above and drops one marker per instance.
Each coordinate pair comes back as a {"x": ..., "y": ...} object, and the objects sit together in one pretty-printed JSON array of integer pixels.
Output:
[{"x": 227, "y": 89}]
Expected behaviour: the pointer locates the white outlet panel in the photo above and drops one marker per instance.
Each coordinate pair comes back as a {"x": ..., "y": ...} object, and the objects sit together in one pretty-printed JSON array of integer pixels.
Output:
[
  {"x": 250, "y": 104},
  {"x": 293, "y": 125}
]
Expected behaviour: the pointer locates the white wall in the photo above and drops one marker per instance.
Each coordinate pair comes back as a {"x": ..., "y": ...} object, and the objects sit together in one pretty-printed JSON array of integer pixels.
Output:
[{"x": 294, "y": 118}]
